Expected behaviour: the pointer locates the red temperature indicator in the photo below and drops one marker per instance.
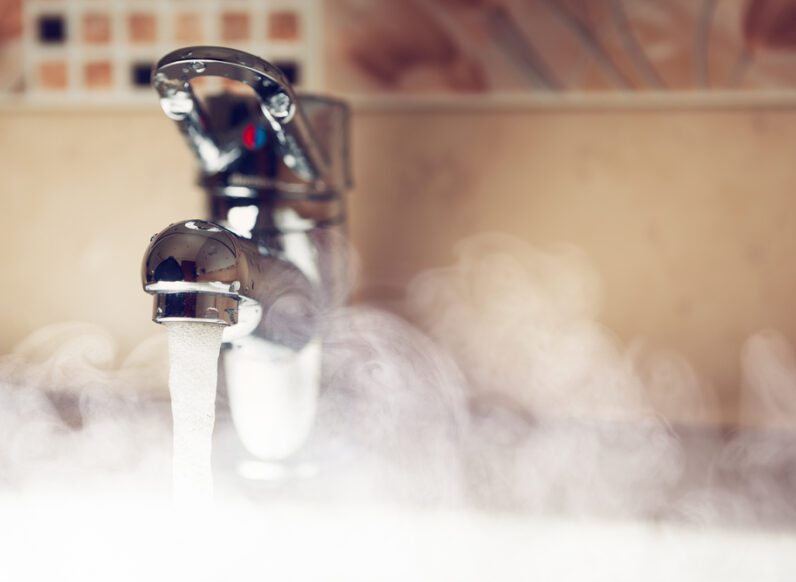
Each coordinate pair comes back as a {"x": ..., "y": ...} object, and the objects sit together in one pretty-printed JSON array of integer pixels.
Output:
[{"x": 253, "y": 136}]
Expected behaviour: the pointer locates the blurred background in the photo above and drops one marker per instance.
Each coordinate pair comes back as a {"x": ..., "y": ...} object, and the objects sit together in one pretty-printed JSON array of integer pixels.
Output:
[{"x": 657, "y": 138}]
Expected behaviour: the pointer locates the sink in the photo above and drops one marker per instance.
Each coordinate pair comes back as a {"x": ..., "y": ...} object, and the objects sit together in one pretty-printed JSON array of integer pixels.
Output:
[{"x": 103, "y": 538}]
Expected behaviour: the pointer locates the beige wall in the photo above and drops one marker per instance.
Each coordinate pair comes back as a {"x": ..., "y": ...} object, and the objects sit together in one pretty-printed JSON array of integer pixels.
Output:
[{"x": 688, "y": 215}]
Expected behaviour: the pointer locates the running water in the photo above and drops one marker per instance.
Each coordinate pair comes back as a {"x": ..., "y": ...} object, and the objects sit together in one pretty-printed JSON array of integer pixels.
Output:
[{"x": 193, "y": 371}]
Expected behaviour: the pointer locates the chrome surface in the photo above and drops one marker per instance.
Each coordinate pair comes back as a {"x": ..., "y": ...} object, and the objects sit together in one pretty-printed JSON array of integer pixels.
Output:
[
  {"x": 198, "y": 270},
  {"x": 271, "y": 259},
  {"x": 298, "y": 149},
  {"x": 192, "y": 306}
]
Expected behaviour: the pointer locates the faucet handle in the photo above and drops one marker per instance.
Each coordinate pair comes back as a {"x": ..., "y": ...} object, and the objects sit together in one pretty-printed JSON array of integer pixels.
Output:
[{"x": 294, "y": 139}]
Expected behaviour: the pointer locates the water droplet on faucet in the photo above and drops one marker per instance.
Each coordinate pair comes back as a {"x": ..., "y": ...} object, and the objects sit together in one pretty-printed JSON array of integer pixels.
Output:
[
  {"x": 202, "y": 225},
  {"x": 177, "y": 105},
  {"x": 279, "y": 104}
]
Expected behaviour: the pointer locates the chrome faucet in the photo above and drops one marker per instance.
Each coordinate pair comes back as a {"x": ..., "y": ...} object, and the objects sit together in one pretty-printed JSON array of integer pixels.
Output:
[{"x": 270, "y": 261}]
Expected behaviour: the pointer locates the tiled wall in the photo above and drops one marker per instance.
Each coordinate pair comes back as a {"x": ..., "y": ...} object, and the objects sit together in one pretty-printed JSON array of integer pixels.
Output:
[{"x": 105, "y": 49}]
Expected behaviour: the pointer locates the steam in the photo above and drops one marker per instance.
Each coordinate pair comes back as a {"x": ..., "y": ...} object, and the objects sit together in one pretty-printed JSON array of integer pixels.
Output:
[
  {"x": 77, "y": 358},
  {"x": 393, "y": 413},
  {"x": 508, "y": 395},
  {"x": 566, "y": 419},
  {"x": 523, "y": 324},
  {"x": 769, "y": 380},
  {"x": 72, "y": 419}
]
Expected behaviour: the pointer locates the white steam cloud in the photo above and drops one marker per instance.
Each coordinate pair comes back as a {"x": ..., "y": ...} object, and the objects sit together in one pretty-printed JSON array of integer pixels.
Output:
[
  {"x": 512, "y": 399},
  {"x": 523, "y": 324}
]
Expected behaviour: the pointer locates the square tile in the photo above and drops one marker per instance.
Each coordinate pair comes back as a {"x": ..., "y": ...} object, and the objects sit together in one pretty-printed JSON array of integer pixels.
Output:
[
  {"x": 284, "y": 25},
  {"x": 96, "y": 28},
  {"x": 52, "y": 75},
  {"x": 235, "y": 26},
  {"x": 141, "y": 74},
  {"x": 188, "y": 28},
  {"x": 142, "y": 27},
  {"x": 98, "y": 74},
  {"x": 291, "y": 70},
  {"x": 51, "y": 29}
]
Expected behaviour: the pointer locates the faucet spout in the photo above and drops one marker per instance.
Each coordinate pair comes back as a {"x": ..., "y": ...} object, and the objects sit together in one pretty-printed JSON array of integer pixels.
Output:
[{"x": 199, "y": 271}]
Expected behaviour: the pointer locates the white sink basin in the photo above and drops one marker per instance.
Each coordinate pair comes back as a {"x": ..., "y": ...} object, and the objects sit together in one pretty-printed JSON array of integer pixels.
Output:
[{"x": 110, "y": 539}]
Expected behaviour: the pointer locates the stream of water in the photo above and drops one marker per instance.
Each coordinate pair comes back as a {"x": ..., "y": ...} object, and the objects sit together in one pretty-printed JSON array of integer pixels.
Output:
[{"x": 193, "y": 373}]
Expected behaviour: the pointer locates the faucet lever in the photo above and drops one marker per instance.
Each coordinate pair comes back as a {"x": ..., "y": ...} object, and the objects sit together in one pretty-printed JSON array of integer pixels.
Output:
[{"x": 294, "y": 139}]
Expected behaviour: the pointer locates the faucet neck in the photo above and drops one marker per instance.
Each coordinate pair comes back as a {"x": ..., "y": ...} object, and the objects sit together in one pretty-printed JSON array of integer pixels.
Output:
[
  {"x": 272, "y": 213},
  {"x": 260, "y": 137},
  {"x": 262, "y": 169}
]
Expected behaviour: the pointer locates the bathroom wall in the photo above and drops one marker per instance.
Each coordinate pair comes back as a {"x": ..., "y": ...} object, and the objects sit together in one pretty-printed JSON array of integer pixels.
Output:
[{"x": 687, "y": 213}]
